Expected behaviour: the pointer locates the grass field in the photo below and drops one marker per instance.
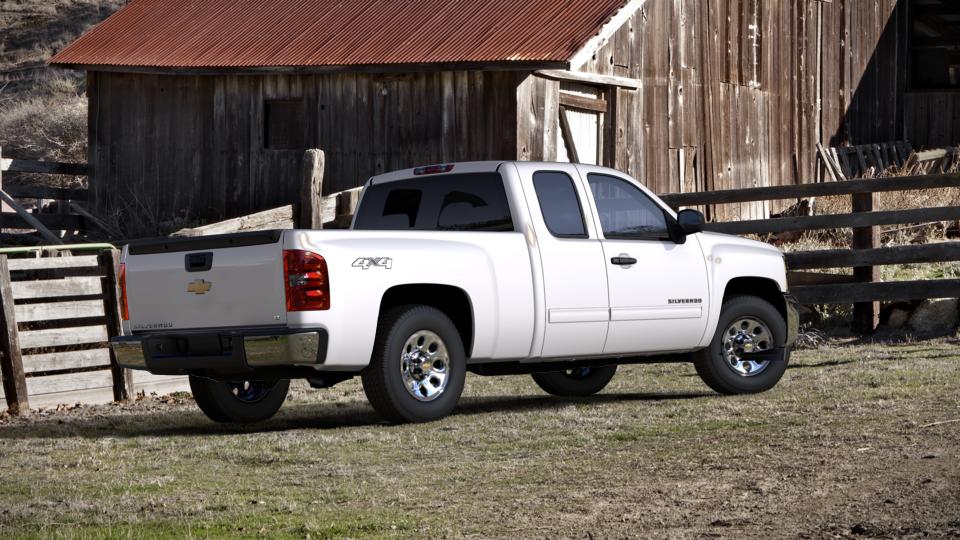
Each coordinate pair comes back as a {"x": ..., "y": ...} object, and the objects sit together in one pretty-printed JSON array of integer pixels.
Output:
[{"x": 841, "y": 448}]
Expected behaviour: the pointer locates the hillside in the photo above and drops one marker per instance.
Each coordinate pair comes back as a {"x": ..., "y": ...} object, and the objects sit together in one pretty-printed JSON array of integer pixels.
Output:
[{"x": 43, "y": 110}]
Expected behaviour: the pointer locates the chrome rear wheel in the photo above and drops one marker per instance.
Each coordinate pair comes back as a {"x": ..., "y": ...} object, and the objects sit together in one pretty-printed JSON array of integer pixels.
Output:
[{"x": 424, "y": 365}]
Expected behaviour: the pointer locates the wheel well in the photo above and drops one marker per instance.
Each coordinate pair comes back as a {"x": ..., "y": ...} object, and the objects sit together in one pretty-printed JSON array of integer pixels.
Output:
[
  {"x": 452, "y": 301},
  {"x": 760, "y": 287}
]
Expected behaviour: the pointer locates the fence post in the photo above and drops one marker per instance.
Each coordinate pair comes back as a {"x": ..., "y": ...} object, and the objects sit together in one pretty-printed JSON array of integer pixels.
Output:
[
  {"x": 311, "y": 190},
  {"x": 866, "y": 315},
  {"x": 11, "y": 360},
  {"x": 122, "y": 378}
]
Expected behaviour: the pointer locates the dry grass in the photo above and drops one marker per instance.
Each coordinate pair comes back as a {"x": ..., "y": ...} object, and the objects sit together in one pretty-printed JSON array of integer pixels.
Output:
[
  {"x": 43, "y": 110},
  {"x": 839, "y": 448}
]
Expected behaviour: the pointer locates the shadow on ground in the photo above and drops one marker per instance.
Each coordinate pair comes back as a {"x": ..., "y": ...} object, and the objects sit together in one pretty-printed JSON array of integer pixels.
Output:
[{"x": 187, "y": 421}]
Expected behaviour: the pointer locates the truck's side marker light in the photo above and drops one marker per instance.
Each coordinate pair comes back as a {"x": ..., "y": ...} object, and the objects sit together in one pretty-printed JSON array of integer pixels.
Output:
[{"x": 306, "y": 281}]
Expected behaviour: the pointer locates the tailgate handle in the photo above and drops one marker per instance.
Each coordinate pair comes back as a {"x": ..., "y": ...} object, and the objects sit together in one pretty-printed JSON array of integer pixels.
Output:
[{"x": 198, "y": 262}]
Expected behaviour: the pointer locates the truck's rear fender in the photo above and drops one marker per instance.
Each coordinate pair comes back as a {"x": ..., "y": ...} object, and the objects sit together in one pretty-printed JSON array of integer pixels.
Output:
[
  {"x": 452, "y": 301},
  {"x": 490, "y": 269}
]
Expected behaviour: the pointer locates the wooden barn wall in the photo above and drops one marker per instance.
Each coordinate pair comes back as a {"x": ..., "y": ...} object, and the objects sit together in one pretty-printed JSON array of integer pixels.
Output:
[
  {"x": 166, "y": 150},
  {"x": 737, "y": 93}
]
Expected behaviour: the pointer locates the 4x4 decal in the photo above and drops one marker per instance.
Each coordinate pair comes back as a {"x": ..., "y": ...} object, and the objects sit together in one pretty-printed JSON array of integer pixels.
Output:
[{"x": 373, "y": 262}]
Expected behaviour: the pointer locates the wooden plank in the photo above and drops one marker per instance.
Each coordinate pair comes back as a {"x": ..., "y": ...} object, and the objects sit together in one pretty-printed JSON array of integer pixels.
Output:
[
  {"x": 81, "y": 309},
  {"x": 91, "y": 396},
  {"x": 796, "y": 279},
  {"x": 53, "y": 288},
  {"x": 568, "y": 139},
  {"x": 844, "y": 172},
  {"x": 848, "y": 187},
  {"x": 311, "y": 190},
  {"x": 44, "y": 167},
  {"x": 584, "y": 103},
  {"x": 11, "y": 361},
  {"x": 590, "y": 78},
  {"x": 46, "y": 263},
  {"x": 32, "y": 221},
  {"x": 863, "y": 219},
  {"x": 276, "y": 218},
  {"x": 849, "y": 293},
  {"x": 828, "y": 165},
  {"x": 841, "y": 258},
  {"x": 38, "y": 363},
  {"x": 45, "y": 192},
  {"x": 57, "y": 337},
  {"x": 148, "y": 383},
  {"x": 122, "y": 379},
  {"x": 68, "y": 382}
]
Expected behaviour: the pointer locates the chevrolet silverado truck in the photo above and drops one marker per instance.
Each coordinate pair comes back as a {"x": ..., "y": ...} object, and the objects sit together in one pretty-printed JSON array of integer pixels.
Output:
[{"x": 561, "y": 271}]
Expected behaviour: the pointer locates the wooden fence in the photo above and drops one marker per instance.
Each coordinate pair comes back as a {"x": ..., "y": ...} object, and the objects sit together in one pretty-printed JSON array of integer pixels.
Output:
[
  {"x": 57, "y": 316},
  {"x": 863, "y": 288},
  {"x": 70, "y": 216}
]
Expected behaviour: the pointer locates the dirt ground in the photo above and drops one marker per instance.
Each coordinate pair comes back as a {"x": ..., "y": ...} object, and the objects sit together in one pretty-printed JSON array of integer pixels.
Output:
[{"x": 856, "y": 442}]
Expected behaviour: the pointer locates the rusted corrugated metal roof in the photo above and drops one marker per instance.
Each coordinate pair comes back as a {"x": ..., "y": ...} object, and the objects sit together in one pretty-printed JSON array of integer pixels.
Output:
[{"x": 301, "y": 33}]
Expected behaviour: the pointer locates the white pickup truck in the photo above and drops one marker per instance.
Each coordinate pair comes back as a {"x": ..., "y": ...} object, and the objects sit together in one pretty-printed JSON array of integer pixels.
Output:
[{"x": 557, "y": 270}]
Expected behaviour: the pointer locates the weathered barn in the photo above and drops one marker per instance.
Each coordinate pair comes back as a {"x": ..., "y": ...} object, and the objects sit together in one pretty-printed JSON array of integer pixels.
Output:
[{"x": 203, "y": 109}]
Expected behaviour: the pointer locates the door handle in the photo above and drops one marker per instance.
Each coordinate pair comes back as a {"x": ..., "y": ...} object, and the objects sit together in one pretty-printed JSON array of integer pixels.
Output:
[
  {"x": 623, "y": 261},
  {"x": 198, "y": 262}
]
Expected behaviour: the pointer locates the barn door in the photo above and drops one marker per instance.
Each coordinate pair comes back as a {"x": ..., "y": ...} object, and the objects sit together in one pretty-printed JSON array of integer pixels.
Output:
[{"x": 583, "y": 112}]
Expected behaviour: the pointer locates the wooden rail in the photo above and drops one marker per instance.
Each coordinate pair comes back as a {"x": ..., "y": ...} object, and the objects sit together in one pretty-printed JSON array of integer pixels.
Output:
[
  {"x": 15, "y": 216},
  {"x": 864, "y": 291}
]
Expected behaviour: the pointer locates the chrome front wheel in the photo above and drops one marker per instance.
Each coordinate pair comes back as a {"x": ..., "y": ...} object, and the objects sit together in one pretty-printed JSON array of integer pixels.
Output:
[
  {"x": 746, "y": 335},
  {"x": 748, "y": 325}
]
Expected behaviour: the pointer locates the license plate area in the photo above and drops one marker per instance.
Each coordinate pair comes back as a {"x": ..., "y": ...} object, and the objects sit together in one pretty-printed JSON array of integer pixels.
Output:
[{"x": 189, "y": 346}]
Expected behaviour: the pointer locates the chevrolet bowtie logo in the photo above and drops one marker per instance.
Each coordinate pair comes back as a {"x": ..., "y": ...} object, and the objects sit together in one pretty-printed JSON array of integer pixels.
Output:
[{"x": 199, "y": 287}]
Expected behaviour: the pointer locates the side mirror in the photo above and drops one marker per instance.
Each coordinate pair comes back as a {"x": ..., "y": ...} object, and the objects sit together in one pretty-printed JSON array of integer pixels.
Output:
[{"x": 691, "y": 221}]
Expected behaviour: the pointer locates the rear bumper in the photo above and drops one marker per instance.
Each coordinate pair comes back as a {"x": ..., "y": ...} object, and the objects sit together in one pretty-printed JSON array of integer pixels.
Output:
[
  {"x": 225, "y": 352},
  {"x": 793, "y": 319}
]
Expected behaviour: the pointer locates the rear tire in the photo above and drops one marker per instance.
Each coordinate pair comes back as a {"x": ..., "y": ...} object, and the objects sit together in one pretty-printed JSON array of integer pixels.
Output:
[
  {"x": 744, "y": 320},
  {"x": 240, "y": 402},
  {"x": 576, "y": 382},
  {"x": 418, "y": 367}
]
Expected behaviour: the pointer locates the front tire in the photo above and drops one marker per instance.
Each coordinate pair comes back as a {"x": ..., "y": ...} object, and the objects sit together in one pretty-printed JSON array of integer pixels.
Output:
[
  {"x": 747, "y": 324},
  {"x": 241, "y": 402},
  {"x": 418, "y": 367},
  {"x": 576, "y": 382}
]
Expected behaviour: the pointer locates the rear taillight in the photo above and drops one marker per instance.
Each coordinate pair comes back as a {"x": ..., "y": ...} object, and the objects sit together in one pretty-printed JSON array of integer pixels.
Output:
[
  {"x": 306, "y": 281},
  {"x": 122, "y": 279}
]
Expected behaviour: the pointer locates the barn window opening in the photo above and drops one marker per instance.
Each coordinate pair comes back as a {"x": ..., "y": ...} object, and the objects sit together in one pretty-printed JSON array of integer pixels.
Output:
[
  {"x": 934, "y": 44},
  {"x": 284, "y": 126},
  {"x": 582, "y": 114}
]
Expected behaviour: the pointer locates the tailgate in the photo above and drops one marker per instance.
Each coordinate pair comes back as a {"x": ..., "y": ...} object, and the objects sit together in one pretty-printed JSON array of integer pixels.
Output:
[{"x": 207, "y": 282}]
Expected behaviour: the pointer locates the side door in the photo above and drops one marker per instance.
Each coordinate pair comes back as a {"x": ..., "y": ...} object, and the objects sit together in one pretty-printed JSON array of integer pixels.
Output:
[
  {"x": 574, "y": 276},
  {"x": 658, "y": 288}
]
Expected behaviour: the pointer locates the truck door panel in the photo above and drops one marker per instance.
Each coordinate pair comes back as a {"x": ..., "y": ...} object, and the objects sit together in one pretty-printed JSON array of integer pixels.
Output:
[
  {"x": 574, "y": 276},
  {"x": 658, "y": 288}
]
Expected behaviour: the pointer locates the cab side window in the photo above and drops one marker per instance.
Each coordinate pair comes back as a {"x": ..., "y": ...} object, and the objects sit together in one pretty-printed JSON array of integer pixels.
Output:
[
  {"x": 625, "y": 211},
  {"x": 559, "y": 204}
]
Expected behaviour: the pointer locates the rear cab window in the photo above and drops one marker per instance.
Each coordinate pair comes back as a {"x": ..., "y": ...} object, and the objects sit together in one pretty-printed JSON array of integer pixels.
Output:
[
  {"x": 450, "y": 202},
  {"x": 559, "y": 204}
]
